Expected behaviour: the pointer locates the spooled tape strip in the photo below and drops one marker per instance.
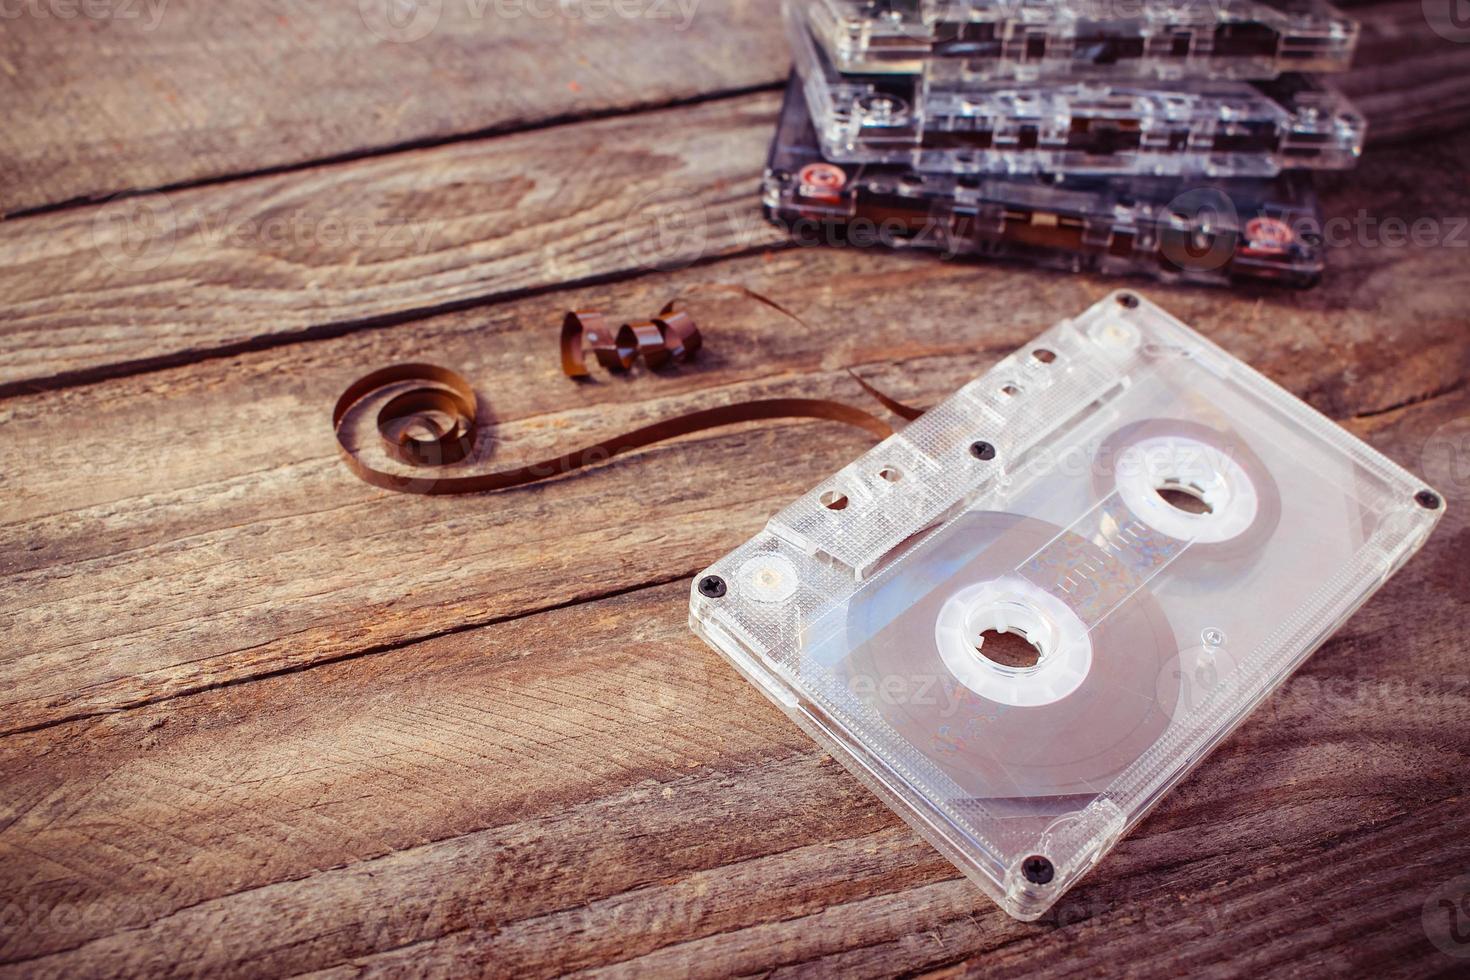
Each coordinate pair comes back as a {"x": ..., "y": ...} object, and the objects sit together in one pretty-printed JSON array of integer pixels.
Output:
[{"x": 434, "y": 423}]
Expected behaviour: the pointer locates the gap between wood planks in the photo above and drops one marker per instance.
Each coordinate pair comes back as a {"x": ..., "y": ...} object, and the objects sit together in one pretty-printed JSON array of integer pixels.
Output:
[
  {"x": 682, "y": 575},
  {"x": 206, "y": 91},
  {"x": 388, "y": 149},
  {"x": 328, "y": 331},
  {"x": 1284, "y": 344},
  {"x": 353, "y": 655},
  {"x": 1394, "y": 35},
  {"x": 200, "y": 333},
  {"x": 464, "y": 224}
]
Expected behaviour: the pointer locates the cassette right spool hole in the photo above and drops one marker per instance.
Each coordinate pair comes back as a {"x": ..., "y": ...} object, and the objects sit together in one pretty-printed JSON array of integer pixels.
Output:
[{"x": 1191, "y": 483}]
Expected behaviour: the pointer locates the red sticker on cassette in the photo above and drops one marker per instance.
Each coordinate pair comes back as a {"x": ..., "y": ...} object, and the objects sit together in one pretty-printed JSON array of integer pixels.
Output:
[
  {"x": 822, "y": 181},
  {"x": 1269, "y": 234}
]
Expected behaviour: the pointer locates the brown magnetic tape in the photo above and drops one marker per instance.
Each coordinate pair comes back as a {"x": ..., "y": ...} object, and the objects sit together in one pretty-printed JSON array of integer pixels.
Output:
[{"x": 434, "y": 423}]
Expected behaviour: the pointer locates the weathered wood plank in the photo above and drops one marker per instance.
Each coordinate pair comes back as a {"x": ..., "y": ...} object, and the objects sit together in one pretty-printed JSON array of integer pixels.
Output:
[
  {"x": 159, "y": 278},
  {"x": 490, "y": 796},
  {"x": 468, "y": 774},
  {"x": 198, "y": 529},
  {"x": 121, "y": 96},
  {"x": 117, "y": 96},
  {"x": 261, "y": 522},
  {"x": 165, "y": 276}
]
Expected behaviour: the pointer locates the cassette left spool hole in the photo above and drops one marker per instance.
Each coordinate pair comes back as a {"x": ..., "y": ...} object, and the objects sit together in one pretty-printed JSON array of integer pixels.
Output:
[
  {"x": 1012, "y": 607},
  {"x": 906, "y": 646}
]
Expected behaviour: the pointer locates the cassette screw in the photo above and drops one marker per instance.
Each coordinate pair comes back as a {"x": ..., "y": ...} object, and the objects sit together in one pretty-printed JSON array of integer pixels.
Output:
[
  {"x": 1427, "y": 499},
  {"x": 1037, "y": 869},
  {"x": 1213, "y": 637},
  {"x": 982, "y": 450},
  {"x": 1128, "y": 301},
  {"x": 712, "y": 587}
]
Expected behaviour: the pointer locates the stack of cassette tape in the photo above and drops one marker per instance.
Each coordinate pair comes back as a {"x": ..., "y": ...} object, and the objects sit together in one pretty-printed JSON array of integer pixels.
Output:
[{"x": 1170, "y": 138}]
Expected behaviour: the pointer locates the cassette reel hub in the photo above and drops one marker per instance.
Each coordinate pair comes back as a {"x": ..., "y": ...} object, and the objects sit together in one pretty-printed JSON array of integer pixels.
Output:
[
  {"x": 1013, "y": 605},
  {"x": 1154, "y": 473}
]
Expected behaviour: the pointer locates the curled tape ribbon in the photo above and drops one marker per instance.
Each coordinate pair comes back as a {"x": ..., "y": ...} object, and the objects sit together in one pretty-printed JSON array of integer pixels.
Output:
[
  {"x": 670, "y": 336},
  {"x": 434, "y": 424}
]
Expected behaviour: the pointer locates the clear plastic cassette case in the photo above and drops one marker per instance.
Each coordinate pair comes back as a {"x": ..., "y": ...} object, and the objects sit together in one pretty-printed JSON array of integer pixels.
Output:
[
  {"x": 1196, "y": 230},
  {"x": 1218, "y": 128},
  {"x": 1025, "y": 616},
  {"x": 1027, "y": 40}
]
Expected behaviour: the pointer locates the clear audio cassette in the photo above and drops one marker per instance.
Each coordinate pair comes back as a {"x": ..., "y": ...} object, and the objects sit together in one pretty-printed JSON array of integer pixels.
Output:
[
  {"x": 1169, "y": 228},
  {"x": 1027, "y": 40},
  {"x": 1028, "y": 614},
  {"x": 1218, "y": 128}
]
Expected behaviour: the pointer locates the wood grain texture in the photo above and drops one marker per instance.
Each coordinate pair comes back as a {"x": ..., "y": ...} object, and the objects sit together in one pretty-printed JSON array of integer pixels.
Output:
[
  {"x": 258, "y": 718},
  {"x": 123, "y": 95},
  {"x": 145, "y": 94},
  {"x": 162, "y": 277},
  {"x": 591, "y": 788},
  {"x": 275, "y": 558},
  {"x": 1408, "y": 80},
  {"x": 155, "y": 279}
]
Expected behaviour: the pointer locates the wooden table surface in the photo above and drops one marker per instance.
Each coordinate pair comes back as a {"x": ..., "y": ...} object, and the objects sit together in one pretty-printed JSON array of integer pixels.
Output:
[{"x": 260, "y": 718}]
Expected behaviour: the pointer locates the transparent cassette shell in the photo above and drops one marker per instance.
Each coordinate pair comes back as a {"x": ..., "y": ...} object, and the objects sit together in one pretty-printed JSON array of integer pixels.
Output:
[
  {"x": 1040, "y": 500},
  {"x": 1027, "y": 40},
  {"x": 1203, "y": 127},
  {"x": 1172, "y": 229}
]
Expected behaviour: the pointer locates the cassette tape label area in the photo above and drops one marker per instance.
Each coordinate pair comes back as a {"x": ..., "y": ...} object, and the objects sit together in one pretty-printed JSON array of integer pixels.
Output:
[{"x": 1025, "y": 616}]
